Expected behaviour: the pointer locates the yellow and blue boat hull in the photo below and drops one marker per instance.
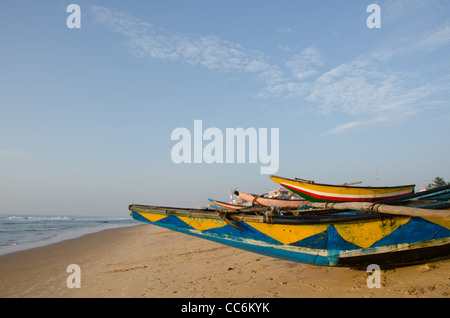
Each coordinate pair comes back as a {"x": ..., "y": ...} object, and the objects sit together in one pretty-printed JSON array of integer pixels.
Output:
[{"x": 349, "y": 239}]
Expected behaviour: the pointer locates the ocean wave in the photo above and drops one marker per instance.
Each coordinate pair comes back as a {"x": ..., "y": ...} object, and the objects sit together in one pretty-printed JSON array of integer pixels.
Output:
[
  {"x": 38, "y": 218},
  {"x": 51, "y": 218}
]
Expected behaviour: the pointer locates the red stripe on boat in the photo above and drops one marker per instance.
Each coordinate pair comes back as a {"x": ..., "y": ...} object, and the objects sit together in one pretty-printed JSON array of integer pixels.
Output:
[{"x": 343, "y": 199}]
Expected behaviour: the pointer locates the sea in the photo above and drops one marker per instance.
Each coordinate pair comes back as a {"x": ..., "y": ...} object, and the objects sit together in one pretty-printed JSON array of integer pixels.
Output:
[{"x": 20, "y": 232}]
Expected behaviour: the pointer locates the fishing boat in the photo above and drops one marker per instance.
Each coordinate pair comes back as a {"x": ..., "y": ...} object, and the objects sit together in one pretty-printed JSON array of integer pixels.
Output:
[
  {"x": 223, "y": 205},
  {"x": 405, "y": 231},
  {"x": 261, "y": 200},
  {"x": 318, "y": 192}
]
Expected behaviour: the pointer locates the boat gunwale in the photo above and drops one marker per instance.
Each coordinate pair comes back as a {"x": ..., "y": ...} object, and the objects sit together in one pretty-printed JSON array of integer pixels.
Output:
[
  {"x": 277, "y": 219},
  {"x": 231, "y": 204}
]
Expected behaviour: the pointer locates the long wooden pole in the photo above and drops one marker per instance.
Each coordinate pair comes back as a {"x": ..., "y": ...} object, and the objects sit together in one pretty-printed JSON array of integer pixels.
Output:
[
  {"x": 383, "y": 208},
  {"x": 351, "y": 183}
]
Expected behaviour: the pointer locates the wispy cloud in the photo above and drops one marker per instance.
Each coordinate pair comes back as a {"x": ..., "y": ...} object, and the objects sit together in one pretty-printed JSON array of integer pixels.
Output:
[
  {"x": 425, "y": 41},
  {"x": 286, "y": 30},
  {"x": 211, "y": 52},
  {"x": 303, "y": 65},
  {"x": 13, "y": 154},
  {"x": 362, "y": 87},
  {"x": 295, "y": 81},
  {"x": 435, "y": 39},
  {"x": 380, "y": 120}
]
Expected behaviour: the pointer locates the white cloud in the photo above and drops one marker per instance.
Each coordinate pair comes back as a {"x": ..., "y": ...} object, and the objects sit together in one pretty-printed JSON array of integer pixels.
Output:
[
  {"x": 395, "y": 108},
  {"x": 303, "y": 65},
  {"x": 380, "y": 120},
  {"x": 425, "y": 41},
  {"x": 287, "y": 31},
  {"x": 121, "y": 22},
  {"x": 211, "y": 52},
  {"x": 435, "y": 39},
  {"x": 285, "y": 90},
  {"x": 365, "y": 86},
  {"x": 445, "y": 117},
  {"x": 354, "y": 88},
  {"x": 13, "y": 154}
]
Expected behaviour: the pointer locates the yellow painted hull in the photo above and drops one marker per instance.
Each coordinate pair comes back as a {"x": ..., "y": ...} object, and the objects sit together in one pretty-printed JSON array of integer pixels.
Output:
[
  {"x": 316, "y": 192},
  {"x": 332, "y": 240}
]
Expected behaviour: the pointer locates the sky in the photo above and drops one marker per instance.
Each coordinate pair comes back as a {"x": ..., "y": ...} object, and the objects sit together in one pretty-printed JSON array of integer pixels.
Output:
[{"x": 87, "y": 114}]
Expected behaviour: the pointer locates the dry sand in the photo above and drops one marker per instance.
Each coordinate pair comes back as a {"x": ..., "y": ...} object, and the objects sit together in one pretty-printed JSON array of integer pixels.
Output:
[{"x": 148, "y": 261}]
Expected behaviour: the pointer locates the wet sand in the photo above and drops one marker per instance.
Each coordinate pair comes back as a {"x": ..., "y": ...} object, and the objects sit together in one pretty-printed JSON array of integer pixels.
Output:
[{"x": 148, "y": 261}]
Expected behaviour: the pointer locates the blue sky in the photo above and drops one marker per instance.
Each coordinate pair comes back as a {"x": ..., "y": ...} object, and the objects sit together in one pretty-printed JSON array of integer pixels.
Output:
[{"x": 86, "y": 115}]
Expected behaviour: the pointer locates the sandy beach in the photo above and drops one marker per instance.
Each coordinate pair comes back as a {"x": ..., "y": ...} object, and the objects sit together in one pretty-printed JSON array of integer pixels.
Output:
[{"x": 148, "y": 261}]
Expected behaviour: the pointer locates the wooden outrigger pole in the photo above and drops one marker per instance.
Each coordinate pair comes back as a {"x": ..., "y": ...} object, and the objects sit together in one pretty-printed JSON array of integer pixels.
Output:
[{"x": 383, "y": 208}]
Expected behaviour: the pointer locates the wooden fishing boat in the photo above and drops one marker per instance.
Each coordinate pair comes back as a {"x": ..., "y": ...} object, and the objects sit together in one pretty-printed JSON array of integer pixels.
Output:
[
  {"x": 264, "y": 201},
  {"x": 318, "y": 192},
  {"x": 329, "y": 236},
  {"x": 223, "y": 205}
]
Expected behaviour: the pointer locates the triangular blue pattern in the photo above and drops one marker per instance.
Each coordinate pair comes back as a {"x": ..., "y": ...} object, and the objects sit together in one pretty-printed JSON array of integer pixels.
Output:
[
  {"x": 249, "y": 233},
  {"x": 416, "y": 230},
  {"x": 139, "y": 217},
  {"x": 174, "y": 222},
  {"x": 321, "y": 241},
  {"x": 316, "y": 241}
]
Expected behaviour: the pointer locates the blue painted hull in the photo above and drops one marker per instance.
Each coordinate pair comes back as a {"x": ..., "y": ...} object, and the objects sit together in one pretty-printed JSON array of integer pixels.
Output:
[{"x": 328, "y": 243}]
